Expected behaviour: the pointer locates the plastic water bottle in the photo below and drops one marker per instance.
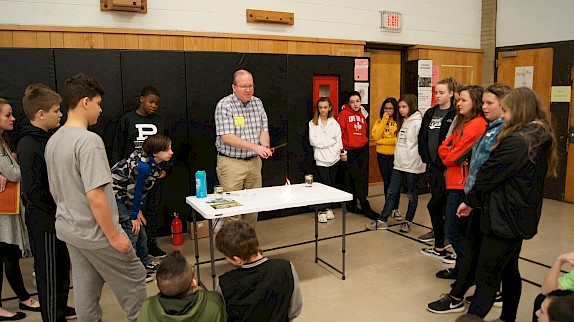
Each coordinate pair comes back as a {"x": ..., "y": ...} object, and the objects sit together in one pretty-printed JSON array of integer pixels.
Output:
[{"x": 200, "y": 184}]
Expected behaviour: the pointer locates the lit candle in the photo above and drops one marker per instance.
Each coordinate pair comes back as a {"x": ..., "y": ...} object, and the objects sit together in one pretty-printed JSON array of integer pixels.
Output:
[{"x": 286, "y": 189}]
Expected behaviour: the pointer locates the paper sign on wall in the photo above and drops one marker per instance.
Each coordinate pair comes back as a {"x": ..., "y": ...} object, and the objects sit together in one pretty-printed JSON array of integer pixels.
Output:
[
  {"x": 363, "y": 89},
  {"x": 561, "y": 94},
  {"x": 523, "y": 76},
  {"x": 425, "y": 96},
  {"x": 361, "y": 69},
  {"x": 425, "y": 68}
]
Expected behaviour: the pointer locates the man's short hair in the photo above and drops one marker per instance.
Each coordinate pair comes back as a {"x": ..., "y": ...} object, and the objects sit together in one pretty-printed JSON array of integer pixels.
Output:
[
  {"x": 80, "y": 86},
  {"x": 156, "y": 143},
  {"x": 237, "y": 238},
  {"x": 239, "y": 72},
  {"x": 174, "y": 275},
  {"x": 149, "y": 90},
  {"x": 39, "y": 99}
]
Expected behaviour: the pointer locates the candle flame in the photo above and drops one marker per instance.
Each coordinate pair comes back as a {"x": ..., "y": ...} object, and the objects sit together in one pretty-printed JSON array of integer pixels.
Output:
[{"x": 287, "y": 182}]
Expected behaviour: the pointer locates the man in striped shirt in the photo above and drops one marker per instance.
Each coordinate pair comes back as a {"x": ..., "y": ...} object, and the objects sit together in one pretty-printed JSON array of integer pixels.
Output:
[{"x": 242, "y": 139}]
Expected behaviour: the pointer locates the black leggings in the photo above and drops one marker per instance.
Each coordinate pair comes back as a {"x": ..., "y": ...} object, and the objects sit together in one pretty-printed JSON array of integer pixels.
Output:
[{"x": 10, "y": 259}]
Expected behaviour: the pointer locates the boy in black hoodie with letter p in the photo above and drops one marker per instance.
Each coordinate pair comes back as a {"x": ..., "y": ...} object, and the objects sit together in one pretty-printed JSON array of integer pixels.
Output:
[{"x": 52, "y": 262}]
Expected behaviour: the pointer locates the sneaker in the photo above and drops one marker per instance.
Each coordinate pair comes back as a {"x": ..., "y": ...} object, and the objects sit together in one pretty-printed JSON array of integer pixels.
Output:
[
  {"x": 406, "y": 227},
  {"x": 431, "y": 251},
  {"x": 428, "y": 237},
  {"x": 450, "y": 259},
  {"x": 329, "y": 213},
  {"x": 497, "y": 300},
  {"x": 447, "y": 274},
  {"x": 322, "y": 217},
  {"x": 71, "y": 313},
  {"x": 148, "y": 278},
  {"x": 396, "y": 215},
  {"x": 155, "y": 251},
  {"x": 377, "y": 225},
  {"x": 446, "y": 305},
  {"x": 447, "y": 243},
  {"x": 151, "y": 267}
]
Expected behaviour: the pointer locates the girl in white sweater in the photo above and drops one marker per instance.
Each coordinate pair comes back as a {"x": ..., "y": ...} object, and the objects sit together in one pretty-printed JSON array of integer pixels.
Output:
[
  {"x": 325, "y": 138},
  {"x": 407, "y": 165}
]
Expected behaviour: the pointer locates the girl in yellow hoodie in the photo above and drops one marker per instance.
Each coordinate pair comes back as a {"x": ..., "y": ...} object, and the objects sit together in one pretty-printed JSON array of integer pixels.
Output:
[{"x": 384, "y": 133}]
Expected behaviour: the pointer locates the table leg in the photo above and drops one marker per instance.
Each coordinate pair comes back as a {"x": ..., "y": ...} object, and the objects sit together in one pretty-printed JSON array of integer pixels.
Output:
[
  {"x": 316, "y": 234},
  {"x": 196, "y": 244},
  {"x": 344, "y": 208},
  {"x": 212, "y": 252}
]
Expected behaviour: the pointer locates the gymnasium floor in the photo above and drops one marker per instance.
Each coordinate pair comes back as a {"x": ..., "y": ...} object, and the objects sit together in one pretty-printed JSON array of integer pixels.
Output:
[{"x": 387, "y": 279}]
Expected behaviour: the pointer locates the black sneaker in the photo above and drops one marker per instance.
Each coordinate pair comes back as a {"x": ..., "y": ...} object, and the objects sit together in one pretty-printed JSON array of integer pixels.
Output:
[
  {"x": 428, "y": 237},
  {"x": 155, "y": 251},
  {"x": 148, "y": 278},
  {"x": 71, "y": 313},
  {"x": 151, "y": 267},
  {"x": 497, "y": 300},
  {"x": 447, "y": 274},
  {"x": 446, "y": 305}
]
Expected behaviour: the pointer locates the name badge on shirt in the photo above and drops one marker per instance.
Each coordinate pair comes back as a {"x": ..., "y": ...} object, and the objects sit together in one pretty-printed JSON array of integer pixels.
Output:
[{"x": 239, "y": 121}]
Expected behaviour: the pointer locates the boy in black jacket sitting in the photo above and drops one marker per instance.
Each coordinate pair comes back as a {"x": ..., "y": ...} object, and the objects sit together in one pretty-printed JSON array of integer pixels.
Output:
[{"x": 260, "y": 289}]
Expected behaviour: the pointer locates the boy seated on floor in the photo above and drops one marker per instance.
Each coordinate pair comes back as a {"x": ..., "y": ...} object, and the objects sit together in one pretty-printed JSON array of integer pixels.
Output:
[
  {"x": 260, "y": 289},
  {"x": 178, "y": 298}
]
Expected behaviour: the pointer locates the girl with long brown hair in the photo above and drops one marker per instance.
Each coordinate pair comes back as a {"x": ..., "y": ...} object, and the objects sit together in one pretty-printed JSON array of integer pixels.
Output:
[{"x": 509, "y": 188}]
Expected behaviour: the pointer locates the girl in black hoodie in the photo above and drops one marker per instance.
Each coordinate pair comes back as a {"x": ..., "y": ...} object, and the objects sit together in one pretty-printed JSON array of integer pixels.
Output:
[{"x": 509, "y": 189}]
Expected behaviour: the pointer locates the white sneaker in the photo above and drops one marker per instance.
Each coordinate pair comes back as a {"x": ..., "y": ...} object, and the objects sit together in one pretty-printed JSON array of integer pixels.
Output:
[
  {"x": 396, "y": 214},
  {"x": 329, "y": 213},
  {"x": 322, "y": 217}
]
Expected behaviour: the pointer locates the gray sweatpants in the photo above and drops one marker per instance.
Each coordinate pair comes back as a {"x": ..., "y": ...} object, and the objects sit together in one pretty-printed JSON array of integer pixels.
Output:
[{"x": 124, "y": 273}]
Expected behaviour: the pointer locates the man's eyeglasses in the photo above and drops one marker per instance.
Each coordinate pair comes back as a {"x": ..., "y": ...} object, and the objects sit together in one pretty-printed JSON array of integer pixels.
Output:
[{"x": 245, "y": 87}]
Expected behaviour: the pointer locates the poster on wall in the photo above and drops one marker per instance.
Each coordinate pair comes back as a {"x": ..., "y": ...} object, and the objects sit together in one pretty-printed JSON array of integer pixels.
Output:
[
  {"x": 425, "y": 97},
  {"x": 361, "y": 69},
  {"x": 425, "y": 84},
  {"x": 363, "y": 89},
  {"x": 523, "y": 76}
]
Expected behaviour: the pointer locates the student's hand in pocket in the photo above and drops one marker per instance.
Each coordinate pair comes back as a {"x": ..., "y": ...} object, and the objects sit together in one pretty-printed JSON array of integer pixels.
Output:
[{"x": 120, "y": 243}]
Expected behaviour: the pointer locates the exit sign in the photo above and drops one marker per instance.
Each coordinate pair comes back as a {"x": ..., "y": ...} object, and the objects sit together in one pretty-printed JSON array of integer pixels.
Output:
[{"x": 391, "y": 21}]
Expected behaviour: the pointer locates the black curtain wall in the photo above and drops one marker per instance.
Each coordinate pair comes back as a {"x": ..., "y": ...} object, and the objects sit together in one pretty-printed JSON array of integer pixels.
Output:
[{"x": 191, "y": 84}]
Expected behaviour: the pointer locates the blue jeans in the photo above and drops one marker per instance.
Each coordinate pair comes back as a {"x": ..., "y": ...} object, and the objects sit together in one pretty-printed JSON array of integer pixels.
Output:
[
  {"x": 455, "y": 227},
  {"x": 139, "y": 241},
  {"x": 392, "y": 199},
  {"x": 386, "y": 168}
]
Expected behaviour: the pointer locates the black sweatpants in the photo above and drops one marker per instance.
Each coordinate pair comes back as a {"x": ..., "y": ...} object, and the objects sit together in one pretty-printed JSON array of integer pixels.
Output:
[
  {"x": 498, "y": 260},
  {"x": 357, "y": 160},
  {"x": 151, "y": 211},
  {"x": 437, "y": 203},
  {"x": 52, "y": 266}
]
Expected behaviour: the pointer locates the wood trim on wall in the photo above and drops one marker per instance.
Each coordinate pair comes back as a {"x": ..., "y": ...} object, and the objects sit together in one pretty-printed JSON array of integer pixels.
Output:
[{"x": 115, "y": 38}]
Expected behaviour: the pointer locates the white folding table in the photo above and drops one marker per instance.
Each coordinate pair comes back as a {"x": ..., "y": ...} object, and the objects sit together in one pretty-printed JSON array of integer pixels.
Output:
[{"x": 266, "y": 199}]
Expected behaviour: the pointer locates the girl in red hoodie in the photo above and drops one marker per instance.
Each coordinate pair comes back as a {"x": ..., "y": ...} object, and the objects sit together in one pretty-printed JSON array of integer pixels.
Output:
[
  {"x": 455, "y": 155},
  {"x": 355, "y": 154}
]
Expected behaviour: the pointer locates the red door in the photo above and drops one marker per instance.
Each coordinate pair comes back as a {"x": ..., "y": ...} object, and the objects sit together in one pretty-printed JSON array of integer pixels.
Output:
[{"x": 326, "y": 86}]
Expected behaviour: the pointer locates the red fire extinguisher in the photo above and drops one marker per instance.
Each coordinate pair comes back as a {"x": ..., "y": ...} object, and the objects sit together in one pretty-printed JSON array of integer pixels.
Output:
[{"x": 176, "y": 230}]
